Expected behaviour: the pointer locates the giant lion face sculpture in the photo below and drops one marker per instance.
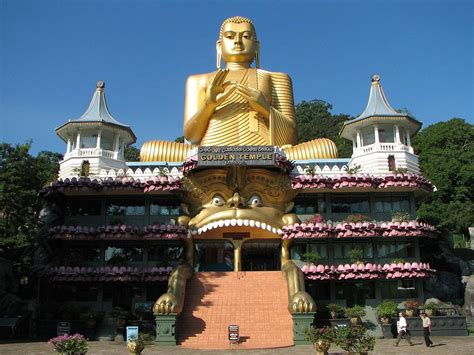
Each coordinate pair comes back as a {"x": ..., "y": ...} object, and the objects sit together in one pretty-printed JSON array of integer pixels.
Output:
[{"x": 239, "y": 199}]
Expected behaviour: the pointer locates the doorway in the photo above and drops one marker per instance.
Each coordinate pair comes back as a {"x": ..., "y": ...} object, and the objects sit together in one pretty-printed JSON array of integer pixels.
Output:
[
  {"x": 261, "y": 255},
  {"x": 213, "y": 255}
]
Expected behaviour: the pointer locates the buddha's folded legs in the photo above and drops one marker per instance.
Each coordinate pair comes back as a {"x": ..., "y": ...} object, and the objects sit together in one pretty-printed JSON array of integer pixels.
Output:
[{"x": 321, "y": 148}]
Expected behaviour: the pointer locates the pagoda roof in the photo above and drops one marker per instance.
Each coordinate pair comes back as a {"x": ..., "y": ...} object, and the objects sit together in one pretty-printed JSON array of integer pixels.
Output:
[
  {"x": 378, "y": 108},
  {"x": 97, "y": 113}
]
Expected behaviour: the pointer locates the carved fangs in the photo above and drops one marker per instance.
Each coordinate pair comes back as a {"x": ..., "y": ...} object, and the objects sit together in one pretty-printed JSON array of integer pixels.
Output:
[{"x": 235, "y": 222}]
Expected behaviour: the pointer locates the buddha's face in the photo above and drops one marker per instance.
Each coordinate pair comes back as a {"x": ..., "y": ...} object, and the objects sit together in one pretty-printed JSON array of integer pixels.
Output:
[{"x": 238, "y": 43}]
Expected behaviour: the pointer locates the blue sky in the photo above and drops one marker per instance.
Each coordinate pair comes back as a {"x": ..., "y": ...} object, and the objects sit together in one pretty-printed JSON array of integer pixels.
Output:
[{"x": 53, "y": 51}]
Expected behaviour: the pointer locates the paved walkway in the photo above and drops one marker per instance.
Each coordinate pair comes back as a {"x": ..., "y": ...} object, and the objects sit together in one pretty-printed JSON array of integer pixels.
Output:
[{"x": 443, "y": 346}]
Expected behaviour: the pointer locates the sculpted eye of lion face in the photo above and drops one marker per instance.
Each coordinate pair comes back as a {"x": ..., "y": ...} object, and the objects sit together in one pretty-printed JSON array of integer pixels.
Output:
[
  {"x": 255, "y": 201},
  {"x": 217, "y": 200}
]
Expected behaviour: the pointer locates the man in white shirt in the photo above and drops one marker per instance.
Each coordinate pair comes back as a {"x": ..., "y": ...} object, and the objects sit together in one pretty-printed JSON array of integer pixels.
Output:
[
  {"x": 426, "y": 329},
  {"x": 402, "y": 330}
]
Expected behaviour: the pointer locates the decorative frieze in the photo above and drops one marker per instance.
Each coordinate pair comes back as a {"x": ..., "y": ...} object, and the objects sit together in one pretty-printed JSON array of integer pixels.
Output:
[{"x": 367, "y": 271}]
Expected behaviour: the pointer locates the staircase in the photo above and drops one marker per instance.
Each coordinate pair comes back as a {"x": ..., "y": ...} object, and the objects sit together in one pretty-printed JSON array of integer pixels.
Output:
[{"x": 256, "y": 301}]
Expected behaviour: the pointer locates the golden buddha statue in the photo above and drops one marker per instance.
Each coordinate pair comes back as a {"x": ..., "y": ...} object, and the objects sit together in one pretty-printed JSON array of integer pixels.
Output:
[{"x": 239, "y": 105}]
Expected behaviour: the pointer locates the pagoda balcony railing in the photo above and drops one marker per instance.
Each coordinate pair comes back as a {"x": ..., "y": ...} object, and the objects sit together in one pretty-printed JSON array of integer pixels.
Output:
[
  {"x": 92, "y": 152},
  {"x": 382, "y": 147}
]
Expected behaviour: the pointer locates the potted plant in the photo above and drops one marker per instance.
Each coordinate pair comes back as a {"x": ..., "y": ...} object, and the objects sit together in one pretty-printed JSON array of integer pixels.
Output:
[
  {"x": 430, "y": 308},
  {"x": 355, "y": 313},
  {"x": 69, "y": 344},
  {"x": 310, "y": 257},
  {"x": 411, "y": 306},
  {"x": 321, "y": 338},
  {"x": 354, "y": 340},
  {"x": 335, "y": 310},
  {"x": 136, "y": 345},
  {"x": 317, "y": 218},
  {"x": 356, "y": 256},
  {"x": 386, "y": 310},
  {"x": 356, "y": 218}
]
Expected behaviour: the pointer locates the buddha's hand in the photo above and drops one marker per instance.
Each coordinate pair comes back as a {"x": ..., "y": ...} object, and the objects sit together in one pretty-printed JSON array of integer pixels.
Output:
[
  {"x": 301, "y": 302},
  {"x": 216, "y": 92},
  {"x": 166, "y": 304},
  {"x": 255, "y": 98}
]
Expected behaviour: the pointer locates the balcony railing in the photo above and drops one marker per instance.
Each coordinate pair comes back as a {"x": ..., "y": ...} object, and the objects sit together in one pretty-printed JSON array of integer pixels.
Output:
[
  {"x": 91, "y": 152},
  {"x": 382, "y": 147}
]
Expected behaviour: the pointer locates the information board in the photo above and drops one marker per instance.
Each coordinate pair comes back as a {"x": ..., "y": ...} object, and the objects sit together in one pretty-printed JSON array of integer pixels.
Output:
[
  {"x": 132, "y": 333},
  {"x": 234, "y": 336},
  {"x": 63, "y": 328}
]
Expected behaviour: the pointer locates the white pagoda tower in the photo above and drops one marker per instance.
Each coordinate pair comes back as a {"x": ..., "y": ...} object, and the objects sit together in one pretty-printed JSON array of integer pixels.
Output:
[
  {"x": 95, "y": 141},
  {"x": 381, "y": 136}
]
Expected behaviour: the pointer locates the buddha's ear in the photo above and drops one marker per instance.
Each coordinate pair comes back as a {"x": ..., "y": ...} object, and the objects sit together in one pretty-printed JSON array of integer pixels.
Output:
[
  {"x": 257, "y": 54},
  {"x": 218, "y": 54}
]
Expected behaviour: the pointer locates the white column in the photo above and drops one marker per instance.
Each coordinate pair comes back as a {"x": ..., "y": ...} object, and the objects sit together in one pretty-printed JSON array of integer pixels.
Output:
[
  {"x": 376, "y": 132},
  {"x": 397, "y": 134},
  {"x": 99, "y": 136},
  {"x": 116, "y": 145},
  {"x": 359, "y": 140},
  {"x": 407, "y": 132},
  {"x": 68, "y": 149},
  {"x": 78, "y": 140}
]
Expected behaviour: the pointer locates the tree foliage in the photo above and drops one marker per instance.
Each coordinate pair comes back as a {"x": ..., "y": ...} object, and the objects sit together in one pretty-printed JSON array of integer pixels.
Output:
[
  {"x": 132, "y": 153},
  {"x": 446, "y": 152},
  {"x": 315, "y": 120},
  {"x": 21, "y": 178}
]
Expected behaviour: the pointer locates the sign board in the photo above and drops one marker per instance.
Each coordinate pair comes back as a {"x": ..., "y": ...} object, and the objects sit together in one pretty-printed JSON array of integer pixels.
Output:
[
  {"x": 63, "y": 328},
  {"x": 236, "y": 236},
  {"x": 261, "y": 155},
  {"x": 132, "y": 333},
  {"x": 234, "y": 336}
]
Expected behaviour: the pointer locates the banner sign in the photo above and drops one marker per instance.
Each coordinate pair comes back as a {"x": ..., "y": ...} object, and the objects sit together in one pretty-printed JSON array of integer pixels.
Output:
[
  {"x": 234, "y": 336},
  {"x": 261, "y": 155}
]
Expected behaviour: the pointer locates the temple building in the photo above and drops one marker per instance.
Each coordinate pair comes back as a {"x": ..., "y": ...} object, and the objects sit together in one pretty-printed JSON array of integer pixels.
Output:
[{"x": 262, "y": 233}]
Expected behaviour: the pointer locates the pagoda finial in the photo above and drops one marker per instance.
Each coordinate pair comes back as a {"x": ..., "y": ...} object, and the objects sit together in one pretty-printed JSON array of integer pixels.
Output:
[
  {"x": 375, "y": 79},
  {"x": 100, "y": 85}
]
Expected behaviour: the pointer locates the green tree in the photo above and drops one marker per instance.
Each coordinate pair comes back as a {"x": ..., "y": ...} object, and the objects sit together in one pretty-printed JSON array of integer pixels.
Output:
[
  {"x": 132, "y": 153},
  {"x": 22, "y": 176},
  {"x": 446, "y": 153},
  {"x": 315, "y": 120}
]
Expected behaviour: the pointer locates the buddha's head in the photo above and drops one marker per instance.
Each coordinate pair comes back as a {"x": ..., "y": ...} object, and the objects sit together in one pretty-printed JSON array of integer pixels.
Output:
[{"x": 237, "y": 41}]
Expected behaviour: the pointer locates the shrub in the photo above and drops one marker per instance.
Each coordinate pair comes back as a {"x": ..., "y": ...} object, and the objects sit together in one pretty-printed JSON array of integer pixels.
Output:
[
  {"x": 356, "y": 255},
  {"x": 400, "y": 216},
  {"x": 387, "y": 309},
  {"x": 430, "y": 305},
  {"x": 354, "y": 312},
  {"x": 317, "y": 218},
  {"x": 69, "y": 344},
  {"x": 411, "y": 304},
  {"x": 354, "y": 339},
  {"x": 310, "y": 257},
  {"x": 353, "y": 169},
  {"x": 356, "y": 218},
  {"x": 315, "y": 334},
  {"x": 398, "y": 260},
  {"x": 335, "y": 308}
]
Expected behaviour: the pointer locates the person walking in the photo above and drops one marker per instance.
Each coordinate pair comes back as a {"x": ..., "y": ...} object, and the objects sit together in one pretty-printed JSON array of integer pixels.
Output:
[
  {"x": 426, "y": 329},
  {"x": 402, "y": 330}
]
